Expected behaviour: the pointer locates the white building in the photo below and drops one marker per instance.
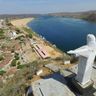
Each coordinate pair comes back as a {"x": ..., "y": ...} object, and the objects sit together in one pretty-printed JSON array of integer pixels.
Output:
[
  {"x": 13, "y": 35},
  {"x": 1, "y": 23}
]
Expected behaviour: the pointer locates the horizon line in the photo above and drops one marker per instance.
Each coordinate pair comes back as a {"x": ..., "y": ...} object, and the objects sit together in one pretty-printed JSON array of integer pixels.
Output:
[{"x": 45, "y": 13}]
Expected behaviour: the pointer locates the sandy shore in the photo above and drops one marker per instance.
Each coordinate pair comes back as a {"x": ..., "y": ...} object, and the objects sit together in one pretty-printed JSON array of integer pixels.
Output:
[{"x": 21, "y": 22}]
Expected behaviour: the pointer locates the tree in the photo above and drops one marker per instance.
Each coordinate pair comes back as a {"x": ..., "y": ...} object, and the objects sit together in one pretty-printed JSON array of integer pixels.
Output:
[
  {"x": 90, "y": 17},
  {"x": 2, "y": 72},
  {"x": 30, "y": 35},
  {"x": 1, "y": 57},
  {"x": 20, "y": 66},
  {"x": 16, "y": 56},
  {"x": 2, "y": 34},
  {"x": 13, "y": 63},
  {"x": 17, "y": 84}
]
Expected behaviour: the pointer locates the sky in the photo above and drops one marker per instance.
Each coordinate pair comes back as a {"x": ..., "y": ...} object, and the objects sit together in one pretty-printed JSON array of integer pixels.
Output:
[{"x": 45, "y": 6}]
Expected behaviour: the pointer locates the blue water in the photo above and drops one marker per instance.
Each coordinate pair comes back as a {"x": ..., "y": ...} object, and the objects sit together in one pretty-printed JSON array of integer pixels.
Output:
[{"x": 65, "y": 33}]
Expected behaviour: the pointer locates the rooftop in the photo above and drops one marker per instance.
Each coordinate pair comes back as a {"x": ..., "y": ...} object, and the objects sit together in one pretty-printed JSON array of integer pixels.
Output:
[{"x": 50, "y": 87}]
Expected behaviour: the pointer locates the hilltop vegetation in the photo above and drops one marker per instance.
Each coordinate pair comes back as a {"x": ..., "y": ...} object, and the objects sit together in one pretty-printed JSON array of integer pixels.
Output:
[
  {"x": 16, "y": 16},
  {"x": 19, "y": 62},
  {"x": 2, "y": 34},
  {"x": 16, "y": 86},
  {"x": 89, "y": 15}
]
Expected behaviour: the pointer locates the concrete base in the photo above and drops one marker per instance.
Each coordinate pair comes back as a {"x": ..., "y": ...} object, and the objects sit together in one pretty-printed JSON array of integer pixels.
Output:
[
  {"x": 82, "y": 88},
  {"x": 50, "y": 87}
]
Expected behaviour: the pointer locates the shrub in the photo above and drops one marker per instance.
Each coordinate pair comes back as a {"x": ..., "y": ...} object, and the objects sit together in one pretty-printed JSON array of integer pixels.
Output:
[
  {"x": 12, "y": 50},
  {"x": 2, "y": 72},
  {"x": 2, "y": 34},
  {"x": 16, "y": 56},
  {"x": 30, "y": 35},
  {"x": 90, "y": 17},
  {"x": 3, "y": 46},
  {"x": 18, "y": 63},
  {"x": 20, "y": 66},
  {"x": 16, "y": 85},
  {"x": 13, "y": 63},
  {"x": 29, "y": 32},
  {"x": 18, "y": 31},
  {"x": 1, "y": 57}
]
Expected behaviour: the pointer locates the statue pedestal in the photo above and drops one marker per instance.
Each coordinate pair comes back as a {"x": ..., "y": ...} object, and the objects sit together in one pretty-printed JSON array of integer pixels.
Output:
[{"x": 82, "y": 88}]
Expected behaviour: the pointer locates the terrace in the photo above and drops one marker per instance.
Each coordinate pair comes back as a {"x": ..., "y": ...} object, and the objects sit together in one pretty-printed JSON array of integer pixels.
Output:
[
  {"x": 7, "y": 59},
  {"x": 41, "y": 51}
]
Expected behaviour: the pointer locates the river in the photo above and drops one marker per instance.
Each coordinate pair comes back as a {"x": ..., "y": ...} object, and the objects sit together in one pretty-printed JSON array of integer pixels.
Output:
[{"x": 65, "y": 33}]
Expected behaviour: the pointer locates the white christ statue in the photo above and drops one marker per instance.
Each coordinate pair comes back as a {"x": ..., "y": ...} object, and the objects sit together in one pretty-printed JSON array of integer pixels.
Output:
[{"x": 86, "y": 56}]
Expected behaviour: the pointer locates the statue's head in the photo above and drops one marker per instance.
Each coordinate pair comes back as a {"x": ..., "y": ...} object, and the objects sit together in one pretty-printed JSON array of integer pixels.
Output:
[{"x": 91, "y": 40}]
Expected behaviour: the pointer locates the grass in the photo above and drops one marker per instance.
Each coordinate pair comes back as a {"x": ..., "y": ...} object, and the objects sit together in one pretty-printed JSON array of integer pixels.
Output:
[
  {"x": 1, "y": 34},
  {"x": 20, "y": 66},
  {"x": 16, "y": 85},
  {"x": 1, "y": 57},
  {"x": 29, "y": 31},
  {"x": 16, "y": 56}
]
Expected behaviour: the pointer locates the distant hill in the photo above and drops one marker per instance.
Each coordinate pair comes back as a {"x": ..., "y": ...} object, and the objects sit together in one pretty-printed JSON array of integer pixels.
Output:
[
  {"x": 72, "y": 14},
  {"x": 65, "y": 14},
  {"x": 88, "y": 15},
  {"x": 14, "y": 16}
]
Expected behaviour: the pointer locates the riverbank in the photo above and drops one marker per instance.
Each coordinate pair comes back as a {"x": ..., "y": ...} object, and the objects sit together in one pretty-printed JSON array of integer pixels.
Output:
[
  {"x": 22, "y": 25},
  {"x": 29, "y": 50},
  {"x": 21, "y": 22}
]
